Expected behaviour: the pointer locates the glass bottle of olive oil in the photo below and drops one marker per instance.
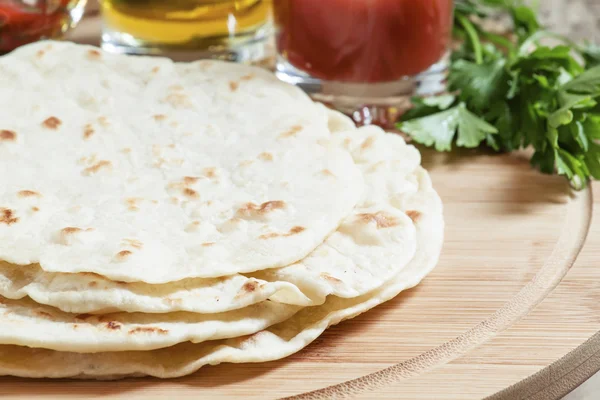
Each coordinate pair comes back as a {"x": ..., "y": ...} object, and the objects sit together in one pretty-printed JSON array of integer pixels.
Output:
[{"x": 237, "y": 30}]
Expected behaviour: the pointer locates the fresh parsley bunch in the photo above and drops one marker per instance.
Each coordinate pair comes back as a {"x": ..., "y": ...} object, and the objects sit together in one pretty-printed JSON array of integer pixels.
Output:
[{"x": 511, "y": 92}]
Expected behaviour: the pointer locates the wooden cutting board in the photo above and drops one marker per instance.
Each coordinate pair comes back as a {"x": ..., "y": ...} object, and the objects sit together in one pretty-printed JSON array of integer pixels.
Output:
[{"x": 506, "y": 301}]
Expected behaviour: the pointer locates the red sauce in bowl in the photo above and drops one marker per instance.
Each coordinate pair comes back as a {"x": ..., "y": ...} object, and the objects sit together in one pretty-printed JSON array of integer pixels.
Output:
[{"x": 363, "y": 40}]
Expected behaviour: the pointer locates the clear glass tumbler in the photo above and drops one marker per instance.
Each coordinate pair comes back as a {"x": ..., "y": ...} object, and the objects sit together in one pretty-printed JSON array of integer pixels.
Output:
[
  {"x": 235, "y": 30},
  {"x": 366, "y": 58},
  {"x": 26, "y": 21}
]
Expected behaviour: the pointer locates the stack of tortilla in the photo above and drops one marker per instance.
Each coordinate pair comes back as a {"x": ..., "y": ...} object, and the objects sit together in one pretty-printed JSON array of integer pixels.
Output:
[{"x": 157, "y": 217}]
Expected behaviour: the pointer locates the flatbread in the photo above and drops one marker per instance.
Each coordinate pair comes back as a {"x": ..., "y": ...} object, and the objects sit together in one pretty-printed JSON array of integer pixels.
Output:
[
  {"x": 370, "y": 246},
  {"x": 141, "y": 170},
  {"x": 276, "y": 342}
]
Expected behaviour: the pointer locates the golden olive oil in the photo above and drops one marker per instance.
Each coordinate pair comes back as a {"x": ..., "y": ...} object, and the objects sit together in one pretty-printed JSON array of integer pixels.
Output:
[{"x": 186, "y": 23}]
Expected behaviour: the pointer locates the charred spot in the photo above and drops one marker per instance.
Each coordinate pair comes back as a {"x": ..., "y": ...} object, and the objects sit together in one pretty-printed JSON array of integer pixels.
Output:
[
  {"x": 136, "y": 244},
  {"x": 43, "y": 314},
  {"x": 83, "y": 317},
  {"x": 149, "y": 329},
  {"x": 123, "y": 254},
  {"x": 382, "y": 219},
  {"x": 70, "y": 230},
  {"x": 88, "y": 131},
  {"x": 159, "y": 117},
  {"x": 52, "y": 123},
  {"x": 233, "y": 86},
  {"x": 35, "y": 209},
  {"x": 251, "y": 209},
  {"x": 265, "y": 156},
  {"x": 191, "y": 193},
  {"x": 94, "y": 54},
  {"x": 208, "y": 244},
  {"x": 155, "y": 70},
  {"x": 28, "y": 193},
  {"x": 210, "y": 172},
  {"x": 93, "y": 284},
  {"x": 7, "y": 216},
  {"x": 7, "y": 136},
  {"x": 247, "y": 77},
  {"x": 190, "y": 180},
  {"x": 113, "y": 325},
  {"x": 295, "y": 230},
  {"x": 97, "y": 167},
  {"x": 414, "y": 215},
  {"x": 291, "y": 132}
]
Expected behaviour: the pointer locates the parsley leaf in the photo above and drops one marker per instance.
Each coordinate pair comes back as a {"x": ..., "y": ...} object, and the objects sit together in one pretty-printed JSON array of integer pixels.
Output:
[
  {"x": 516, "y": 94},
  {"x": 440, "y": 129}
]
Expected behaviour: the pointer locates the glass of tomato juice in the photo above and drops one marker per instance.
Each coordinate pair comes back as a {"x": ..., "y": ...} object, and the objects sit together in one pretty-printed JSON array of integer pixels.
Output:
[{"x": 366, "y": 58}]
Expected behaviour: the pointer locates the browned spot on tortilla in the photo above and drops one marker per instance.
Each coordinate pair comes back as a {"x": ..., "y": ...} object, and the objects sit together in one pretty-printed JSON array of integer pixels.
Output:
[
  {"x": 178, "y": 100},
  {"x": 35, "y": 209},
  {"x": 114, "y": 325},
  {"x": 174, "y": 124},
  {"x": 7, "y": 216},
  {"x": 88, "y": 131},
  {"x": 208, "y": 244},
  {"x": 133, "y": 203},
  {"x": 248, "y": 287},
  {"x": 247, "y": 77},
  {"x": 123, "y": 254},
  {"x": 171, "y": 146},
  {"x": 291, "y": 132},
  {"x": 93, "y": 284},
  {"x": 40, "y": 53},
  {"x": 174, "y": 200},
  {"x": 252, "y": 210},
  {"x": 6, "y": 135},
  {"x": 245, "y": 163},
  {"x": 75, "y": 326},
  {"x": 92, "y": 274},
  {"x": 70, "y": 230},
  {"x": 265, "y": 156},
  {"x": 51, "y": 123},
  {"x": 43, "y": 314},
  {"x": 330, "y": 278},
  {"x": 94, "y": 54},
  {"x": 382, "y": 219},
  {"x": 126, "y": 150},
  {"x": 414, "y": 215},
  {"x": 368, "y": 143},
  {"x": 295, "y": 230},
  {"x": 102, "y": 120},
  {"x": 159, "y": 117},
  {"x": 97, "y": 167},
  {"x": 28, "y": 193},
  {"x": 175, "y": 87},
  {"x": 191, "y": 193},
  {"x": 210, "y": 172},
  {"x": 155, "y": 70},
  {"x": 83, "y": 316},
  {"x": 233, "y": 86},
  {"x": 136, "y": 244},
  {"x": 173, "y": 302},
  {"x": 149, "y": 329},
  {"x": 190, "y": 180},
  {"x": 327, "y": 172}
]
